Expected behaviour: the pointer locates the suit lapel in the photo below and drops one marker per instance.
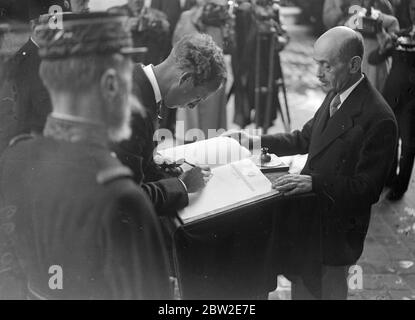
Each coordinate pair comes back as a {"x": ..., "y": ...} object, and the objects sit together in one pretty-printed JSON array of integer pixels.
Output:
[
  {"x": 340, "y": 123},
  {"x": 144, "y": 91},
  {"x": 322, "y": 119}
]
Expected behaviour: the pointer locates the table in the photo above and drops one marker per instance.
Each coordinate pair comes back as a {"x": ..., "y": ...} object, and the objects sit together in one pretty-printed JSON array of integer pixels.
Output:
[{"x": 239, "y": 253}]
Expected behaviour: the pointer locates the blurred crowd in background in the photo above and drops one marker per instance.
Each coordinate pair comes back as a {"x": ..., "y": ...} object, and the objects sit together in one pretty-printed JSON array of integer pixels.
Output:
[{"x": 252, "y": 33}]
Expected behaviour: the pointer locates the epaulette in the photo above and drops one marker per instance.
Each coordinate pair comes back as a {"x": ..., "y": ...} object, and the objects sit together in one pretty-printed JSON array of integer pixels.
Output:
[
  {"x": 112, "y": 174},
  {"x": 20, "y": 138}
]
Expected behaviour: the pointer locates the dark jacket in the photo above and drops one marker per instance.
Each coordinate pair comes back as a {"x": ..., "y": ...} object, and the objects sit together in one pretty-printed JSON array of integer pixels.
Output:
[
  {"x": 137, "y": 152},
  {"x": 399, "y": 88},
  {"x": 349, "y": 161},
  {"x": 33, "y": 103},
  {"x": 172, "y": 9},
  {"x": 77, "y": 207}
]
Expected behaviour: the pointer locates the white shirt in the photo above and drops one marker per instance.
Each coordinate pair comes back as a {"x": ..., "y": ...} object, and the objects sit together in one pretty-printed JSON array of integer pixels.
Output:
[
  {"x": 347, "y": 93},
  {"x": 34, "y": 42},
  {"x": 147, "y": 3},
  {"x": 148, "y": 70}
]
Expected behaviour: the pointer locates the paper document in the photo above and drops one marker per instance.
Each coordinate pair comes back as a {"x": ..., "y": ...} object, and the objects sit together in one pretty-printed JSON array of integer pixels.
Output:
[
  {"x": 232, "y": 185},
  {"x": 237, "y": 177},
  {"x": 212, "y": 152}
]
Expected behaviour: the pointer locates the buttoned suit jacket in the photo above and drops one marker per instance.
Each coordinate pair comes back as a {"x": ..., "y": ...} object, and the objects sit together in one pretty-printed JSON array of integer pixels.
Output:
[{"x": 349, "y": 159}]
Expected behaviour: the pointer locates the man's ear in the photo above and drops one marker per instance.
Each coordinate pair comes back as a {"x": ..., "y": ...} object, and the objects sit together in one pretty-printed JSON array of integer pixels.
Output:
[
  {"x": 187, "y": 76},
  {"x": 109, "y": 84},
  {"x": 355, "y": 64}
]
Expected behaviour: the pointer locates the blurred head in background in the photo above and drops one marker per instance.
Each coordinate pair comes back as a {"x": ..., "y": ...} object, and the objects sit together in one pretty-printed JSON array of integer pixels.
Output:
[
  {"x": 90, "y": 80},
  {"x": 136, "y": 5},
  {"x": 80, "y": 6}
]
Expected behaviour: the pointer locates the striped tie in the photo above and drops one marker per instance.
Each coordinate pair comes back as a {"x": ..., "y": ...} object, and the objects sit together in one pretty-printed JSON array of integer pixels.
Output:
[{"x": 334, "y": 105}]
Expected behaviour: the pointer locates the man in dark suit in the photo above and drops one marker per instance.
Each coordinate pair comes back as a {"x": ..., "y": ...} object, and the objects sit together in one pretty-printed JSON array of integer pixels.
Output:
[
  {"x": 32, "y": 105},
  {"x": 194, "y": 69},
  {"x": 81, "y": 228},
  {"x": 173, "y": 9},
  {"x": 350, "y": 144}
]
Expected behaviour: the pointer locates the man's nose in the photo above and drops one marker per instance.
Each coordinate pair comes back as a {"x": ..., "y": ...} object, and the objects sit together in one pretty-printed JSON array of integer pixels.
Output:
[{"x": 319, "y": 71}]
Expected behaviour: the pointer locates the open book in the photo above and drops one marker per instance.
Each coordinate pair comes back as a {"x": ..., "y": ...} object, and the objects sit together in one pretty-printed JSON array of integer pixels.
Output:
[{"x": 236, "y": 179}]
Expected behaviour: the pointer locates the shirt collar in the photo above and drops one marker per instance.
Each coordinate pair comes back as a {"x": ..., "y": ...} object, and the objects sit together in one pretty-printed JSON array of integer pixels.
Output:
[
  {"x": 34, "y": 42},
  {"x": 346, "y": 93},
  {"x": 148, "y": 70},
  {"x": 147, "y": 3},
  {"x": 75, "y": 129}
]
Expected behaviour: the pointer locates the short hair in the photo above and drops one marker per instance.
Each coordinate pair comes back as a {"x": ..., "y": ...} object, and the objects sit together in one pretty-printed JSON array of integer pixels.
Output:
[
  {"x": 352, "y": 47},
  {"x": 78, "y": 74},
  {"x": 201, "y": 56}
]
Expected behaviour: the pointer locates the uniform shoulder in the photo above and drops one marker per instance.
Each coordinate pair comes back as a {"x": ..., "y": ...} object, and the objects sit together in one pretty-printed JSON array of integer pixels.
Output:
[
  {"x": 20, "y": 138},
  {"x": 113, "y": 173},
  {"x": 24, "y": 52}
]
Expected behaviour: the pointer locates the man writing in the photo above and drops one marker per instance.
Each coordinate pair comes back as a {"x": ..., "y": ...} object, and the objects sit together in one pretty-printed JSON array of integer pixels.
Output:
[
  {"x": 350, "y": 144},
  {"x": 194, "y": 69}
]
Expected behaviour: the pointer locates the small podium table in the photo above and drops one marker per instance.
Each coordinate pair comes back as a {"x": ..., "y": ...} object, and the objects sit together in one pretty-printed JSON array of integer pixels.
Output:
[{"x": 239, "y": 253}]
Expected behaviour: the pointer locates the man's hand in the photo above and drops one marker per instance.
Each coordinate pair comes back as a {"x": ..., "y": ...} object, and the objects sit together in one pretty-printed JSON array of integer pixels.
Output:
[
  {"x": 243, "y": 138},
  {"x": 168, "y": 166},
  {"x": 196, "y": 178},
  {"x": 293, "y": 184}
]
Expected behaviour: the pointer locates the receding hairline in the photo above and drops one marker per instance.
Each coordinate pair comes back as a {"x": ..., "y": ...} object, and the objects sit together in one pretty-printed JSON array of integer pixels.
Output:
[{"x": 345, "y": 43}]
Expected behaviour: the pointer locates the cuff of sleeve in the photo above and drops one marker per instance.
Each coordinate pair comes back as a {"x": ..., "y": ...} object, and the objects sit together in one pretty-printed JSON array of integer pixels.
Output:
[
  {"x": 318, "y": 184},
  {"x": 266, "y": 141},
  {"x": 184, "y": 185}
]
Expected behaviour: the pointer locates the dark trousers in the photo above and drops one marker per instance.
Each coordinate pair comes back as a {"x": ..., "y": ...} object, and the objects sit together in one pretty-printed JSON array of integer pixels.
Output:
[
  {"x": 399, "y": 179},
  {"x": 333, "y": 285}
]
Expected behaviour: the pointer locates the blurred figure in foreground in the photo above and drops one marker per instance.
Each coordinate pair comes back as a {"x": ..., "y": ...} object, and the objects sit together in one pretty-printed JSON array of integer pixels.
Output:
[{"x": 75, "y": 210}]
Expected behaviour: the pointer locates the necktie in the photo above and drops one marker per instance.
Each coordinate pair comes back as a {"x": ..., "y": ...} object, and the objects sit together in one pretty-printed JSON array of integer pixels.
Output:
[{"x": 334, "y": 105}]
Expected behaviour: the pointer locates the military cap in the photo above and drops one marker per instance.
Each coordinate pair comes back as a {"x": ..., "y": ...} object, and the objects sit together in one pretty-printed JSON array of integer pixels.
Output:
[{"x": 66, "y": 35}]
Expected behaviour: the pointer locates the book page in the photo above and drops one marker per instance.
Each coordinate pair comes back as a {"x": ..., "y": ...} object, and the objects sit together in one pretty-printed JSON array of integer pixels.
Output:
[
  {"x": 231, "y": 185},
  {"x": 212, "y": 152}
]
